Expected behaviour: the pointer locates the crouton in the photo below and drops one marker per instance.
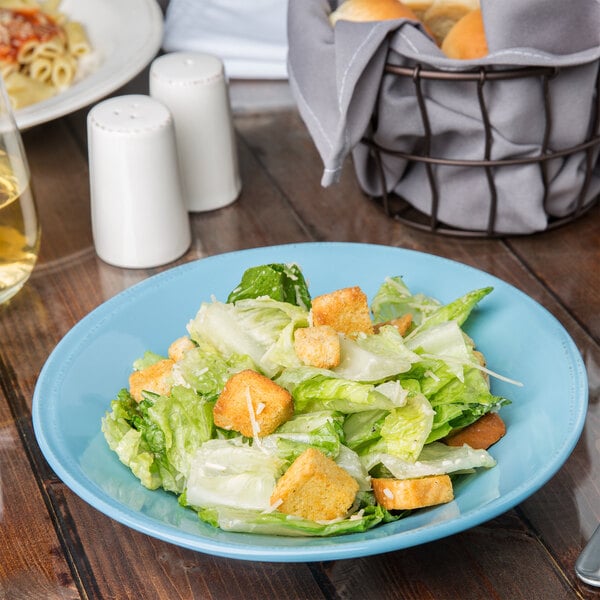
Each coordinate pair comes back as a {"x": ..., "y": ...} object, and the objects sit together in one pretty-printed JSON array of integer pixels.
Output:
[
  {"x": 409, "y": 494},
  {"x": 487, "y": 430},
  {"x": 480, "y": 357},
  {"x": 346, "y": 310},
  {"x": 179, "y": 347},
  {"x": 318, "y": 346},
  {"x": 315, "y": 488},
  {"x": 402, "y": 324},
  {"x": 252, "y": 404},
  {"x": 156, "y": 378}
]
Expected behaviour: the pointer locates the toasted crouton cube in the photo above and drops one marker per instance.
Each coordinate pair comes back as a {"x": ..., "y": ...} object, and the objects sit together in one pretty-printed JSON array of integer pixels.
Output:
[
  {"x": 315, "y": 488},
  {"x": 480, "y": 357},
  {"x": 346, "y": 310},
  {"x": 252, "y": 404},
  {"x": 179, "y": 347},
  {"x": 487, "y": 430},
  {"x": 156, "y": 378},
  {"x": 318, "y": 346},
  {"x": 402, "y": 324},
  {"x": 409, "y": 494}
]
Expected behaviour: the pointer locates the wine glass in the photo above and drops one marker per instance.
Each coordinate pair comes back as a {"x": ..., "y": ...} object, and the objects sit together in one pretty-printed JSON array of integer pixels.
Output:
[{"x": 19, "y": 223}]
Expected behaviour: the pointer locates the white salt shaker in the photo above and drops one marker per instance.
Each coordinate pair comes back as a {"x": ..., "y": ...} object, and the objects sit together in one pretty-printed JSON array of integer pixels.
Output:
[
  {"x": 139, "y": 217},
  {"x": 193, "y": 87}
]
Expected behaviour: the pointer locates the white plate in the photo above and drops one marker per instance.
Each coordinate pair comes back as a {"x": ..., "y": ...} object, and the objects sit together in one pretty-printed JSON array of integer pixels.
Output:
[{"x": 125, "y": 36}]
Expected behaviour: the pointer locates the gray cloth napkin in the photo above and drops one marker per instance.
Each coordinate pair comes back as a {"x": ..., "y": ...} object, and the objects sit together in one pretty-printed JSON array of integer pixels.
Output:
[{"x": 337, "y": 78}]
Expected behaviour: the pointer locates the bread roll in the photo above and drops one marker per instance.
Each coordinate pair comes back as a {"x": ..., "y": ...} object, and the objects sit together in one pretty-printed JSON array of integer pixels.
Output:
[
  {"x": 371, "y": 10},
  {"x": 441, "y": 16},
  {"x": 466, "y": 40},
  {"x": 419, "y": 7}
]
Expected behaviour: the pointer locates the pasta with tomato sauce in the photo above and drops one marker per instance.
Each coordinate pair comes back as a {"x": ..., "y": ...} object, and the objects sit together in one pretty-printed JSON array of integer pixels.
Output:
[{"x": 40, "y": 50}]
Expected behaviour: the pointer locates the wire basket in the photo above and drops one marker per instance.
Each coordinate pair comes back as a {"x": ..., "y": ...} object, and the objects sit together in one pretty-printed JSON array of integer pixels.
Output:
[{"x": 401, "y": 209}]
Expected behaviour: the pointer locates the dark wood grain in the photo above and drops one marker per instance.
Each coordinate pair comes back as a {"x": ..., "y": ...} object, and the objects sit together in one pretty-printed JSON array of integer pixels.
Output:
[
  {"x": 71, "y": 550},
  {"x": 27, "y": 533},
  {"x": 143, "y": 567},
  {"x": 464, "y": 566},
  {"x": 567, "y": 261}
]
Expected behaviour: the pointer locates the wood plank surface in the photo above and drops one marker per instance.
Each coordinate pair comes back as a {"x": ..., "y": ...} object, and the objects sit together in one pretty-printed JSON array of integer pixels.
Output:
[
  {"x": 128, "y": 564},
  {"x": 28, "y": 537}
]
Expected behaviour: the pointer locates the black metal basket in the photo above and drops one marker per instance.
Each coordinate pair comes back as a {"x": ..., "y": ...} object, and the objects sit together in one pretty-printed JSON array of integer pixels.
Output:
[{"x": 400, "y": 208}]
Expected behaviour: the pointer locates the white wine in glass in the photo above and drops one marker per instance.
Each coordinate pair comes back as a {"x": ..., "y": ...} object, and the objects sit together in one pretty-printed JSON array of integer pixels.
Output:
[{"x": 19, "y": 223}]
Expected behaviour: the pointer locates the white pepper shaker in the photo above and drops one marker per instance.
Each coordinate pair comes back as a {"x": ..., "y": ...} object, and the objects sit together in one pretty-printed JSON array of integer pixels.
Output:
[
  {"x": 139, "y": 217},
  {"x": 193, "y": 87}
]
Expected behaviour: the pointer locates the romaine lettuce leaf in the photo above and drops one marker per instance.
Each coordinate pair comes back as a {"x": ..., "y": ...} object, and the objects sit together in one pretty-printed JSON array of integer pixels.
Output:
[
  {"x": 321, "y": 430},
  {"x": 394, "y": 299},
  {"x": 435, "y": 459},
  {"x": 291, "y": 378},
  {"x": 394, "y": 390},
  {"x": 456, "y": 311},
  {"x": 450, "y": 378},
  {"x": 206, "y": 371},
  {"x": 460, "y": 403},
  {"x": 374, "y": 357},
  {"x": 445, "y": 342},
  {"x": 350, "y": 461},
  {"x": 275, "y": 523},
  {"x": 174, "y": 427},
  {"x": 261, "y": 329},
  {"x": 127, "y": 442},
  {"x": 231, "y": 473},
  {"x": 157, "y": 437},
  {"x": 406, "y": 429},
  {"x": 281, "y": 282},
  {"x": 329, "y": 393},
  {"x": 401, "y": 431},
  {"x": 429, "y": 375},
  {"x": 363, "y": 428}
]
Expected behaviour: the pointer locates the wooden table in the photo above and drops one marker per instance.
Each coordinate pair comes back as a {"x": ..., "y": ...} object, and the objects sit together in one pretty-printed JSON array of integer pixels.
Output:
[{"x": 54, "y": 545}]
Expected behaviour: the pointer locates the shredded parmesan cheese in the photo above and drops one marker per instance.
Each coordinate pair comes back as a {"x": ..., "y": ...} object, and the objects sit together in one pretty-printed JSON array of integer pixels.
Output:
[
  {"x": 456, "y": 361},
  {"x": 273, "y": 506},
  {"x": 358, "y": 515},
  {"x": 388, "y": 493},
  {"x": 253, "y": 421},
  {"x": 432, "y": 375},
  {"x": 215, "y": 466},
  {"x": 329, "y": 521}
]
